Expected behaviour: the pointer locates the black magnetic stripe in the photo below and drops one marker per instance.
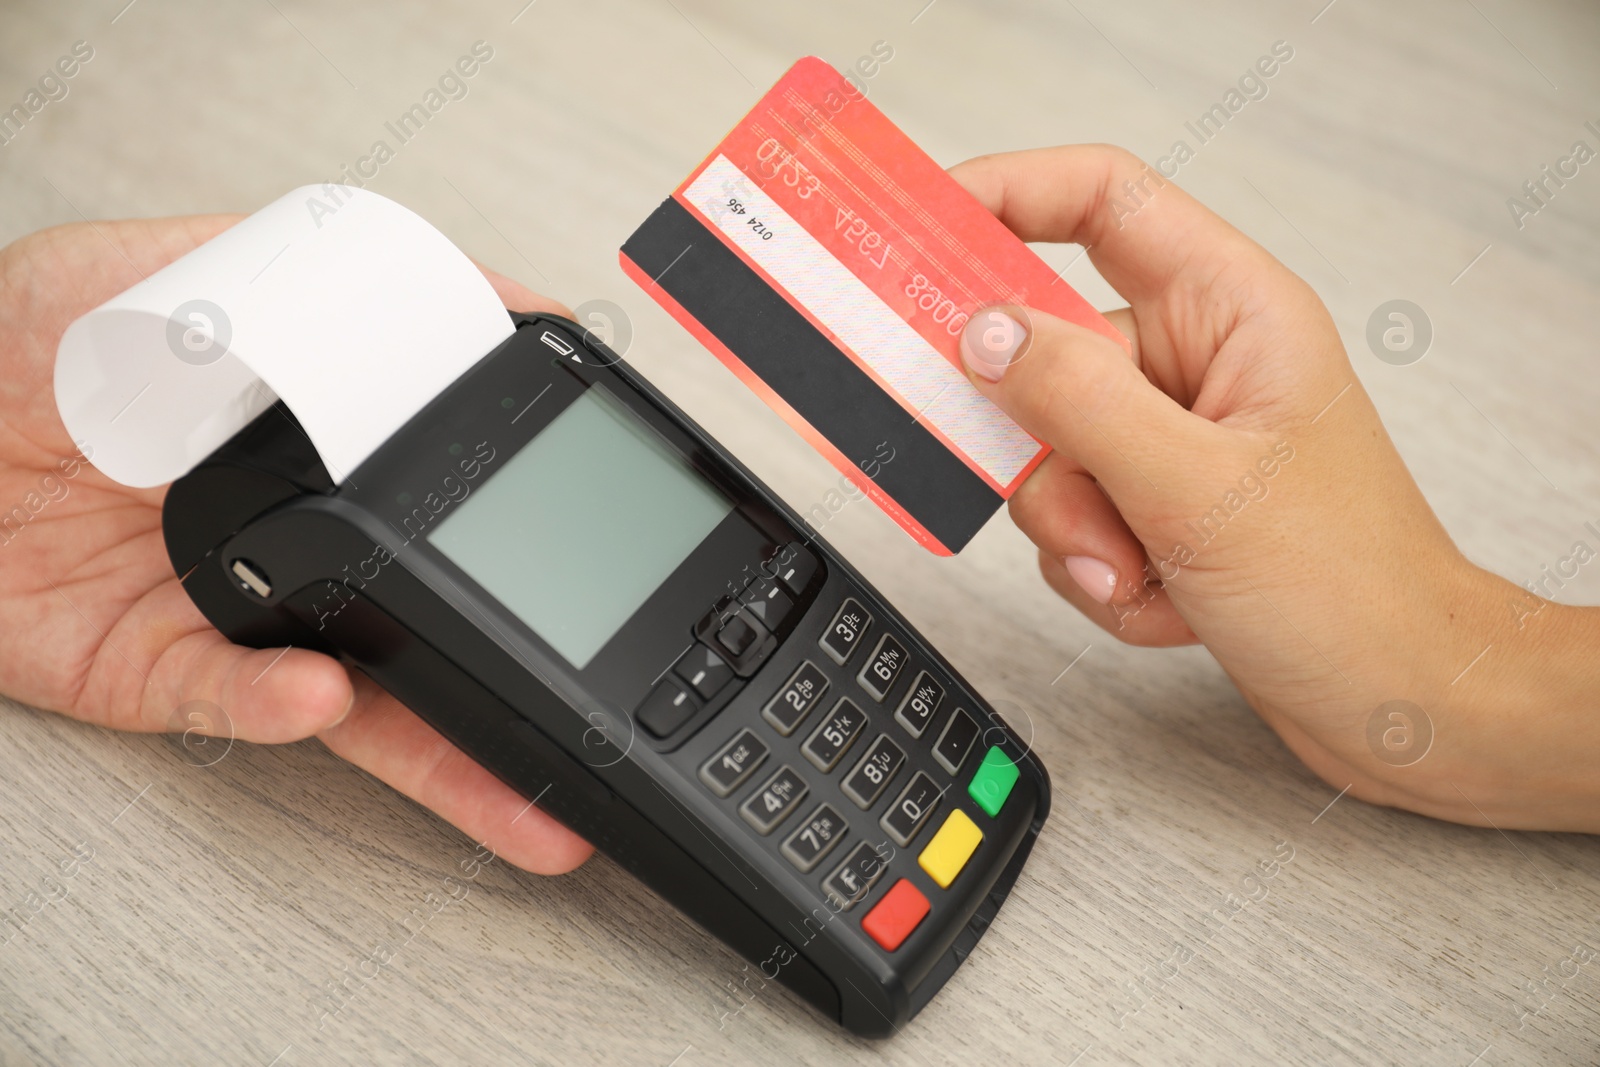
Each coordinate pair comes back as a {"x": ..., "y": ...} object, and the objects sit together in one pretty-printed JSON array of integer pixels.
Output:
[{"x": 809, "y": 371}]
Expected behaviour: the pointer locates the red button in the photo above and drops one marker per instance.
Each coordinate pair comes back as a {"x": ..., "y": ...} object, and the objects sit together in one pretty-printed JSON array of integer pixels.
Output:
[{"x": 896, "y": 915}]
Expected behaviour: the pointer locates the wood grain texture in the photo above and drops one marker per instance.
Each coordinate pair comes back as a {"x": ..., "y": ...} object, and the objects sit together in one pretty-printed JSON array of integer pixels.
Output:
[{"x": 217, "y": 907}]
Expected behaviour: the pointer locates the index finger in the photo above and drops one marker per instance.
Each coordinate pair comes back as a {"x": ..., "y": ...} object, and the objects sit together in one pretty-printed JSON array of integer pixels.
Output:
[
  {"x": 1143, "y": 233},
  {"x": 518, "y": 297}
]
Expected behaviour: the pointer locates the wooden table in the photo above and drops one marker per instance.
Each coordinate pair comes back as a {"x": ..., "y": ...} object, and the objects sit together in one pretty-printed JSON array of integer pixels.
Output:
[{"x": 220, "y": 901}]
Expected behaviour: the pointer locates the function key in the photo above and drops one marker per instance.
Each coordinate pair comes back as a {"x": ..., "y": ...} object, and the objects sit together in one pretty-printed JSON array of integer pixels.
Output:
[
  {"x": 850, "y": 883},
  {"x": 668, "y": 707},
  {"x": 900, "y": 911},
  {"x": 795, "y": 700},
  {"x": 911, "y": 809},
  {"x": 736, "y": 635},
  {"x": 844, "y": 632},
  {"x": 920, "y": 704},
  {"x": 725, "y": 771},
  {"x": 768, "y": 602},
  {"x": 878, "y": 676},
  {"x": 992, "y": 784},
  {"x": 951, "y": 848},
  {"x": 864, "y": 784},
  {"x": 772, "y": 803},
  {"x": 956, "y": 741},
  {"x": 704, "y": 670},
  {"x": 814, "y": 840},
  {"x": 724, "y": 609},
  {"x": 835, "y": 734},
  {"x": 794, "y": 566}
]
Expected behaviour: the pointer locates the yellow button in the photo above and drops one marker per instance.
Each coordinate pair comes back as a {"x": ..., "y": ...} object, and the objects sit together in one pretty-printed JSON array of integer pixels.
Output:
[{"x": 950, "y": 848}]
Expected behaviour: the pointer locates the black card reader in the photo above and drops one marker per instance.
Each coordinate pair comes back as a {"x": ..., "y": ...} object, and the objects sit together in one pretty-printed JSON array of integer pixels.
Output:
[{"x": 565, "y": 576}]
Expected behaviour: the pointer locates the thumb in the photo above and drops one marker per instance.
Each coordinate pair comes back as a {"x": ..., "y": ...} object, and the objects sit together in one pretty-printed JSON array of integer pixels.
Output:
[
  {"x": 1078, "y": 391},
  {"x": 265, "y": 696}
]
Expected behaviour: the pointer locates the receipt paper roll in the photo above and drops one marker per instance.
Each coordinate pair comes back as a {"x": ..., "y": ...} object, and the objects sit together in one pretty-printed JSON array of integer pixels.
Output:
[{"x": 350, "y": 308}]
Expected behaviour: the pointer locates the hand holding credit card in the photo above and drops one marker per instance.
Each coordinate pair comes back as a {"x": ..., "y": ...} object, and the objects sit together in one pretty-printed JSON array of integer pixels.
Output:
[{"x": 832, "y": 265}]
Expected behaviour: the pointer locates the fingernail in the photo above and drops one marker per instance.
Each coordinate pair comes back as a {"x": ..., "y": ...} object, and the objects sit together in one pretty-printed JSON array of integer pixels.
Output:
[
  {"x": 1097, "y": 577},
  {"x": 990, "y": 342},
  {"x": 349, "y": 706}
]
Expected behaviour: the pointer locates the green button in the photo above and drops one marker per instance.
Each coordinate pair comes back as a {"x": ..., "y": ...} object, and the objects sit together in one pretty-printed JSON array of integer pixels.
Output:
[{"x": 993, "y": 782}]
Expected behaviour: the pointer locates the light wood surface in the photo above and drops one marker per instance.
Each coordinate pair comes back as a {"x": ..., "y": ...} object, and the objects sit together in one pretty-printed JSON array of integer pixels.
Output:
[{"x": 220, "y": 900}]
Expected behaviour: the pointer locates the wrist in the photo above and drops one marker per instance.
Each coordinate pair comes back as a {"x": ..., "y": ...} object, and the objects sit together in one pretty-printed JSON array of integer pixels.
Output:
[{"x": 1511, "y": 693}]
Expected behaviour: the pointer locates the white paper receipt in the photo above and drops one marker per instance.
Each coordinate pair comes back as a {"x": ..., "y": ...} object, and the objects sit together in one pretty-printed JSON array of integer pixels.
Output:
[{"x": 350, "y": 308}]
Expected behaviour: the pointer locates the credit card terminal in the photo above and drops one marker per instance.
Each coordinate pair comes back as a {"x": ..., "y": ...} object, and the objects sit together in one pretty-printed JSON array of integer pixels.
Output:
[{"x": 580, "y": 588}]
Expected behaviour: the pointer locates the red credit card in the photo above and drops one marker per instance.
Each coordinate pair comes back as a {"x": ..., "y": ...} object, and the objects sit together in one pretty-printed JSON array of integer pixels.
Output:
[{"x": 831, "y": 264}]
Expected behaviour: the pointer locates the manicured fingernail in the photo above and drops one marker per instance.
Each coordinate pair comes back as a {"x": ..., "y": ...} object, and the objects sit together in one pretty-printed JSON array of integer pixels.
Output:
[
  {"x": 1097, "y": 577},
  {"x": 990, "y": 342}
]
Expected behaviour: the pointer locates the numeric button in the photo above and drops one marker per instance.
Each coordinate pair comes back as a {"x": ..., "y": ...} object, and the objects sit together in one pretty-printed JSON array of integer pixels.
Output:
[
  {"x": 878, "y": 675},
  {"x": 920, "y": 705},
  {"x": 834, "y": 735},
  {"x": 864, "y": 784},
  {"x": 772, "y": 803},
  {"x": 724, "y": 772},
  {"x": 806, "y": 847},
  {"x": 794, "y": 701},
  {"x": 845, "y": 631},
  {"x": 911, "y": 809}
]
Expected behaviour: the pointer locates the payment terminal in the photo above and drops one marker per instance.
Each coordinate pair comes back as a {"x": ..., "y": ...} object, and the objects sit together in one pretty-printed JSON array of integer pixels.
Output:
[{"x": 581, "y": 589}]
